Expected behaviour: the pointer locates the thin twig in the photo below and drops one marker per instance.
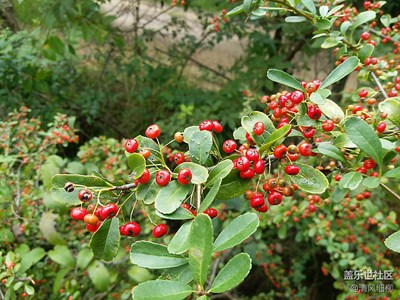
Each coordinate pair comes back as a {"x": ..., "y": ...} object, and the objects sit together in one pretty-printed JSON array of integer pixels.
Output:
[
  {"x": 123, "y": 187},
  {"x": 394, "y": 194},
  {"x": 156, "y": 16},
  {"x": 213, "y": 273},
  {"x": 198, "y": 196},
  {"x": 378, "y": 83},
  {"x": 1, "y": 295}
]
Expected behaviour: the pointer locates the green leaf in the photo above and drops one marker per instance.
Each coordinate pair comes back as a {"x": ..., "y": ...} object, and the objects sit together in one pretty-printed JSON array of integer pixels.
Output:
[
  {"x": 154, "y": 256},
  {"x": 235, "y": 11},
  {"x": 199, "y": 173},
  {"x": 334, "y": 9},
  {"x": 179, "y": 214},
  {"x": 310, "y": 180},
  {"x": 200, "y": 247},
  {"x": 219, "y": 172},
  {"x": 62, "y": 255},
  {"x": 29, "y": 290},
  {"x": 344, "y": 27},
  {"x": 146, "y": 143},
  {"x": 371, "y": 182},
  {"x": 323, "y": 10},
  {"x": 331, "y": 151},
  {"x": 246, "y": 5},
  {"x": 99, "y": 275},
  {"x": 365, "y": 52},
  {"x": 249, "y": 120},
  {"x": 240, "y": 134},
  {"x": 29, "y": 259},
  {"x": 161, "y": 290},
  {"x": 395, "y": 173},
  {"x": 309, "y": 4},
  {"x": 232, "y": 274},
  {"x": 181, "y": 274},
  {"x": 47, "y": 226},
  {"x": 61, "y": 196},
  {"x": 200, "y": 145},
  {"x": 105, "y": 241},
  {"x": 275, "y": 137},
  {"x": 55, "y": 44},
  {"x": 343, "y": 141},
  {"x": 317, "y": 98},
  {"x": 392, "y": 107},
  {"x": 237, "y": 231},
  {"x": 361, "y": 134},
  {"x": 171, "y": 197},
  {"x": 139, "y": 274},
  {"x": 385, "y": 20},
  {"x": 84, "y": 258},
  {"x": 341, "y": 71},
  {"x": 149, "y": 191},
  {"x": 393, "y": 242},
  {"x": 180, "y": 242},
  {"x": 350, "y": 180},
  {"x": 6, "y": 235},
  {"x": 284, "y": 79},
  {"x": 295, "y": 19},
  {"x": 137, "y": 165},
  {"x": 210, "y": 196},
  {"x": 188, "y": 132},
  {"x": 232, "y": 186},
  {"x": 363, "y": 17}
]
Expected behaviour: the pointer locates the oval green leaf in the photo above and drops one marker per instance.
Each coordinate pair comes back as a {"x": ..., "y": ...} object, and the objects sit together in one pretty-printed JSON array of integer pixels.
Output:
[
  {"x": 284, "y": 78},
  {"x": 395, "y": 173},
  {"x": 137, "y": 164},
  {"x": 331, "y": 151},
  {"x": 392, "y": 107},
  {"x": 180, "y": 242},
  {"x": 200, "y": 247},
  {"x": 171, "y": 197},
  {"x": 237, "y": 231},
  {"x": 200, "y": 145},
  {"x": 105, "y": 241},
  {"x": 232, "y": 186},
  {"x": 179, "y": 214},
  {"x": 350, "y": 180},
  {"x": 341, "y": 71},
  {"x": 393, "y": 242},
  {"x": 232, "y": 274},
  {"x": 275, "y": 137},
  {"x": 249, "y": 120},
  {"x": 310, "y": 180},
  {"x": 210, "y": 196},
  {"x": 154, "y": 256},
  {"x": 219, "y": 172},
  {"x": 331, "y": 109},
  {"x": 161, "y": 290},
  {"x": 99, "y": 275},
  {"x": 361, "y": 134}
]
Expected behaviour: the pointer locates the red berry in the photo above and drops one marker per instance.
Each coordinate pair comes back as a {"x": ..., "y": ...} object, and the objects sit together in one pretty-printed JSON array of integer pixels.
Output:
[
  {"x": 145, "y": 177},
  {"x": 279, "y": 151},
  {"x": 160, "y": 230},
  {"x": 109, "y": 211},
  {"x": 328, "y": 125},
  {"x": 297, "y": 97},
  {"x": 308, "y": 132},
  {"x": 312, "y": 208},
  {"x": 253, "y": 154},
  {"x": 217, "y": 127},
  {"x": 131, "y": 229},
  {"x": 369, "y": 164},
  {"x": 206, "y": 125},
  {"x": 91, "y": 219},
  {"x": 258, "y": 128},
  {"x": 184, "y": 176},
  {"x": 211, "y": 212},
  {"x": 229, "y": 146},
  {"x": 179, "y": 158},
  {"x": 248, "y": 174},
  {"x": 259, "y": 166},
  {"x": 85, "y": 195},
  {"x": 163, "y": 177},
  {"x": 257, "y": 201},
  {"x": 314, "y": 112},
  {"x": 131, "y": 145},
  {"x": 249, "y": 138},
  {"x": 305, "y": 149},
  {"x": 365, "y": 35},
  {"x": 381, "y": 127},
  {"x": 242, "y": 163},
  {"x": 363, "y": 93},
  {"x": 357, "y": 108},
  {"x": 153, "y": 131},
  {"x": 262, "y": 208},
  {"x": 275, "y": 198},
  {"x": 78, "y": 213},
  {"x": 93, "y": 228},
  {"x": 338, "y": 177},
  {"x": 292, "y": 170}
]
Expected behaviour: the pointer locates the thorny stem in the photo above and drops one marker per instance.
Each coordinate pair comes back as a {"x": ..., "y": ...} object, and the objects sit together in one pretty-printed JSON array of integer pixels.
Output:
[{"x": 378, "y": 83}]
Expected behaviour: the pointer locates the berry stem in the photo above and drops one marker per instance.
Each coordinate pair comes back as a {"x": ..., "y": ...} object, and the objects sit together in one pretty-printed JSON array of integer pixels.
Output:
[
  {"x": 394, "y": 194},
  {"x": 378, "y": 83},
  {"x": 198, "y": 196}
]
